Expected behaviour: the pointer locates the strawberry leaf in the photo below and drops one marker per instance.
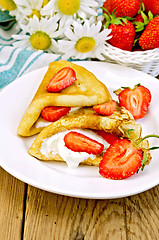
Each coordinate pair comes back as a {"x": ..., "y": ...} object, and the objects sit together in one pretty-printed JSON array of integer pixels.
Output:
[
  {"x": 139, "y": 26},
  {"x": 117, "y": 21},
  {"x": 150, "y": 15},
  {"x": 145, "y": 18},
  {"x": 144, "y": 161},
  {"x": 148, "y": 136},
  {"x": 142, "y": 8},
  {"x": 127, "y": 133}
]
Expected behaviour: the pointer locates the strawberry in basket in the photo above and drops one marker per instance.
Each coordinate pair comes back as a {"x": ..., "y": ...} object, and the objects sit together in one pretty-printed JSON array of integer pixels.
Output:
[
  {"x": 150, "y": 36},
  {"x": 122, "y": 8},
  {"x": 123, "y": 31},
  {"x": 152, "y": 5}
]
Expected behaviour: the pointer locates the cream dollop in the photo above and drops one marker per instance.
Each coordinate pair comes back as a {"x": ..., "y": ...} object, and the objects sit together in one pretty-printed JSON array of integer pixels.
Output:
[{"x": 56, "y": 145}]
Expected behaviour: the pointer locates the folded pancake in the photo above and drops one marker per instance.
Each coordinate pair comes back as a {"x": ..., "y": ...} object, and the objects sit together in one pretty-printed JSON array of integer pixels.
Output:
[
  {"x": 119, "y": 122},
  {"x": 86, "y": 91}
]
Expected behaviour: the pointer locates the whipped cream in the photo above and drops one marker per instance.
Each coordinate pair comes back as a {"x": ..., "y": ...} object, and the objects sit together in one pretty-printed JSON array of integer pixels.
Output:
[
  {"x": 40, "y": 123},
  {"x": 56, "y": 145}
]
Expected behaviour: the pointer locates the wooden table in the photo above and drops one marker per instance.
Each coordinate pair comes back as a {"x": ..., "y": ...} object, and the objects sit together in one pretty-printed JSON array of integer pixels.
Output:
[{"x": 32, "y": 214}]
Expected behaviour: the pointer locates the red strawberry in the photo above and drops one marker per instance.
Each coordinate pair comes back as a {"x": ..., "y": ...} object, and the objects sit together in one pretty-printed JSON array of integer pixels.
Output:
[
  {"x": 62, "y": 79},
  {"x": 138, "y": 18},
  {"x": 122, "y": 35},
  {"x": 149, "y": 40},
  {"x": 135, "y": 100},
  {"x": 108, "y": 5},
  {"x": 121, "y": 160},
  {"x": 52, "y": 113},
  {"x": 108, "y": 137},
  {"x": 106, "y": 109},
  {"x": 78, "y": 142},
  {"x": 128, "y": 8},
  {"x": 152, "y": 5},
  {"x": 153, "y": 24},
  {"x": 150, "y": 37}
]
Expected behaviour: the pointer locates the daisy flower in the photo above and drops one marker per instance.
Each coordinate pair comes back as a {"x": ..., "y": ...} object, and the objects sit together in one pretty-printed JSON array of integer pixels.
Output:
[
  {"x": 69, "y": 10},
  {"x": 38, "y": 34},
  {"x": 84, "y": 41},
  {"x": 28, "y": 8}
]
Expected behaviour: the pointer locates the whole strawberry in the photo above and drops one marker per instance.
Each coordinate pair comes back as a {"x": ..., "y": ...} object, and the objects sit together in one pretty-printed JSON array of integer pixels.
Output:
[
  {"x": 152, "y": 5},
  {"x": 123, "y": 8},
  {"x": 150, "y": 37},
  {"x": 123, "y": 35}
]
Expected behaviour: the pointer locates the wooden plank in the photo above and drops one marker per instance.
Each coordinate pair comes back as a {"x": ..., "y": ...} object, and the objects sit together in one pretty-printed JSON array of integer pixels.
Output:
[
  {"x": 12, "y": 192},
  {"x": 142, "y": 213},
  {"x": 51, "y": 216}
]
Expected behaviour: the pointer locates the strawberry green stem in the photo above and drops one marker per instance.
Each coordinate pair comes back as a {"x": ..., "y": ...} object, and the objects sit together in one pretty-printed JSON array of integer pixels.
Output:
[
  {"x": 113, "y": 19},
  {"x": 148, "y": 136}
]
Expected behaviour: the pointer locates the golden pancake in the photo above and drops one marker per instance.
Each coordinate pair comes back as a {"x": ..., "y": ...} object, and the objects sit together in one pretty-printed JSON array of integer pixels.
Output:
[
  {"x": 86, "y": 91},
  {"x": 86, "y": 118}
]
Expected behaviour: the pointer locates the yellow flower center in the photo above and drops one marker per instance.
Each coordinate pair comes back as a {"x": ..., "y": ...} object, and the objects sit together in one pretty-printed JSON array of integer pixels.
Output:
[
  {"x": 85, "y": 44},
  {"x": 40, "y": 40},
  {"x": 68, "y": 7},
  {"x": 45, "y": 2},
  {"x": 34, "y": 12},
  {"x": 8, "y": 5}
]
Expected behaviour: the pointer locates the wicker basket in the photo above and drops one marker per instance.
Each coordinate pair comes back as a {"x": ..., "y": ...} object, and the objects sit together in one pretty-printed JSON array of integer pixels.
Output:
[{"x": 146, "y": 61}]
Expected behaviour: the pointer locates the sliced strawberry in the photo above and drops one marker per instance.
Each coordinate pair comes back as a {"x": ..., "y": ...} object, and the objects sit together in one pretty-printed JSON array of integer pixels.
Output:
[
  {"x": 61, "y": 80},
  {"x": 53, "y": 113},
  {"x": 78, "y": 142},
  {"x": 108, "y": 137},
  {"x": 106, "y": 109},
  {"x": 121, "y": 160},
  {"x": 135, "y": 100}
]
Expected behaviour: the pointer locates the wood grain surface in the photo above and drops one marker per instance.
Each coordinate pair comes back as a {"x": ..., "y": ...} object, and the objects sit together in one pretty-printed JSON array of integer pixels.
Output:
[
  {"x": 63, "y": 217},
  {"x": 32, "y": 214},
  {"x": 12, "y": 196}
]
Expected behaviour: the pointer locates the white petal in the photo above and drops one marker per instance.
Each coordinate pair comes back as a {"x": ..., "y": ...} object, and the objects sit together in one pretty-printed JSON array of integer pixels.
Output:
[
  {"x": 21, "y": 44},
  {"x": 20, "y": 37},
  {"x": 70, "y": 35}
]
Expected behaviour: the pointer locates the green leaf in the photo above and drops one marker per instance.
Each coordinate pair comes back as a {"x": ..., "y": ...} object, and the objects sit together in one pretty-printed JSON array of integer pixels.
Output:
[
  {"x": 108, "y": 13},
  {"x": 145, "y": 18},
  {"x": 137, "y": 85},
  {"x": 127, "y": 133},
  {"x": 150, "y": 15},
  {"x": 126, "y": 87},
  {"x": 143, "y": 7},
  {"x": 129, "y": 18},
  {"x": 107, "y": 24},
  {"x": 106, "y": 17},
  {"x": 136, "y": 40},
  {"x": 144, "y": 161},
  {"x": 153, "y": 148},
  {"x": 124, "y": 20},
  {"x": 148, "y": 136},
  {"x": 139, "y": 26},
  {"x": 117, "y": 21}
]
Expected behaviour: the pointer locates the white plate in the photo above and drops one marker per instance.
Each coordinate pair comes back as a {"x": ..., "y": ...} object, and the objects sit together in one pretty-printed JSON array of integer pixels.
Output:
[{"x": 85, "y": 181}]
